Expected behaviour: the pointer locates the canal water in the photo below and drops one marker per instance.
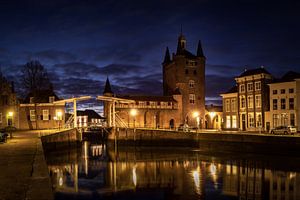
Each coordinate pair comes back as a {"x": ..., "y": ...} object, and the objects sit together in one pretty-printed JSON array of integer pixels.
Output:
[{"x": 95, "y": 171}]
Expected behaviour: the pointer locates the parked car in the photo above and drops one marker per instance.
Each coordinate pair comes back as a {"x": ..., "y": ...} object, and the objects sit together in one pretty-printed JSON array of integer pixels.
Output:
[
  {"x": 184, "y": 128},
  {"x": 3, "y": 136},
  {"x": 286, "y": 130}
]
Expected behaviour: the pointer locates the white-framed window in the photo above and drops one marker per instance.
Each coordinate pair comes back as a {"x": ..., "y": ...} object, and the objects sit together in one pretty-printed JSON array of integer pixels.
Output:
[
  {"x": 228, "y": 122},
  {"x": 258, "y": 120},
  {"x": 249, "y": 87},
  {"x": 51, "y": 99},
  {"x": 234, "y": 122},
  {"x": 258, "y": 101},
  {"x": 242, "y": 101},
  {"x": 45, "y": 114},
  {"x": 250, "y": 101},
  {"x": 227, "y": 103},
  {"x": 0, "y": 118},
  {"x": 284, "y": 119},
  {"x": 257, "y": 86},
  {"x": 275, "y": 120},
  {"x": 192, "y": 98},
  {"x": 242, "y": 88},
  {"x": 142, "y": 104},
  {"x": 192, "y": 83},
  {"x": 233, "y": 105},
  {"x": 152, "y": 104},
  {"x": 32, "y": 115},
  {"x": 251, "y": 120}
]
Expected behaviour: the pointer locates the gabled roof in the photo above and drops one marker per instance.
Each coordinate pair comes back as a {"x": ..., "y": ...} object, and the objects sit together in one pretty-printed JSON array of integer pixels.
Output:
[
  {"x": 148, "y": 98},
  {"x": 41, "y": 96},
  {"x": 234, "y": 89},
  {"x": 90, "y": 113},
  {"x": 250, "y": 72}
]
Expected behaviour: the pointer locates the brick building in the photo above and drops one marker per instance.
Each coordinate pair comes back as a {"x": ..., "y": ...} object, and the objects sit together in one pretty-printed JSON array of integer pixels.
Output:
[
  {"x": 38, "y": 111},
  {"x": 8, "y": 104},
  {"x": 183, "y": 99}
]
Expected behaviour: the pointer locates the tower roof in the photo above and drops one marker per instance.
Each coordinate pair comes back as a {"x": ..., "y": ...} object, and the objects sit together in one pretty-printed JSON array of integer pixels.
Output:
[
  {"x": 167, "y": 56},
  {"x": 107, "y": 88},
  {"x": 200, "y": 50}
]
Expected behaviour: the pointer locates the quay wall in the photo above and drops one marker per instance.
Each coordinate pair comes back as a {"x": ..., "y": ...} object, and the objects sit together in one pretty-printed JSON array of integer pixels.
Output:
[
  {"x": 216, "y": 141},
  {"x": 66, "y": 138}
]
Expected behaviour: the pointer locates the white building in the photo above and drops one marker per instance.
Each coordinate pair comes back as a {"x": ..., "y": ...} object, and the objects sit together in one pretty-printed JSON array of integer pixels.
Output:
[{"x": 284, "y": 101}]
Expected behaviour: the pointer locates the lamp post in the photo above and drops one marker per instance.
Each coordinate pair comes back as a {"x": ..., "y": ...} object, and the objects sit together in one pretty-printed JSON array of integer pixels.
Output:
[
  {"x": 59, "y": 118},
  {"x": 9, "y": 122},
  {"x": 133, "y": 113}
]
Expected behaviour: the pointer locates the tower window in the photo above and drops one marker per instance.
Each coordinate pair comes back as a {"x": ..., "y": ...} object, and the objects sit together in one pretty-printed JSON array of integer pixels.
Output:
[
  {"x": 186, "y": 71},
  {"x": 195, "y": 72},
  {"x": 192, "y": 83},
  {"x": 192, "y": 98}
]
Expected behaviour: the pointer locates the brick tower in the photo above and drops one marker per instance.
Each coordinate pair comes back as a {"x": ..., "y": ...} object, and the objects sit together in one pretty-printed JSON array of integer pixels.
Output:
[{"x": 186, "y": 72}]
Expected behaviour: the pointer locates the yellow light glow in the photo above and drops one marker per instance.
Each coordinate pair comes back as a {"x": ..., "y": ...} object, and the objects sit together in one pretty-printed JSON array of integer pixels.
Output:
[
  {"x": 133, "y": 112},
  {"x": 212, "y": 114},
  {"x": 59, "y": 115},
  {"x": 134, "y": 177},
  {"x": 195, "y": 114},
  {"x": 10, "y": 114},
  {"x": 196, "y": 177}
]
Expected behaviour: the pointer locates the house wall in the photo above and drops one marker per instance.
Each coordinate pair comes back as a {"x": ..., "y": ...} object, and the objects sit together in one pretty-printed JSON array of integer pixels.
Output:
[
  {"x": 27, "y": 122},
  {"x": 230, "y": 116}
]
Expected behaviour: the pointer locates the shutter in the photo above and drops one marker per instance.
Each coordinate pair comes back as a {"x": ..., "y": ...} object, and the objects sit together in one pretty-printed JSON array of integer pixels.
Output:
[
  {"x": 41, "y": 117},
  {"x": 49, "y": 117}
]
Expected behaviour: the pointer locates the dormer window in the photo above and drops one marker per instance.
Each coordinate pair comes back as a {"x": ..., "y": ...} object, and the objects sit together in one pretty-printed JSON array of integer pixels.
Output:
[
  {"x": 31, "y": 99},
  {"x": 51, "y": 99}
]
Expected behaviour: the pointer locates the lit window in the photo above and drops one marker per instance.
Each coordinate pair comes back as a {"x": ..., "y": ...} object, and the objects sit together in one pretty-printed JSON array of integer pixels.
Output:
[
  {"x": 274, "y": 91},
  {"x": 234, "y": 123},
  {"x": 192, "y": 83},
  {"x": 251, "y": 120},
  {"x": 45, "y": 114},
  {"x": 275, "y": 120},
  {"x": 59, "y": 114},
  {"x": 282, "y": 91},
  {"x": 258, "y": 101},
  {"x": 192, "y": 98},
  {"x": 228, "y": 122},
  {"x": 32, "y": 115},
  {"x": 258, "y": 120},
  {"x": 250, "y": 102},
  {"x": 291, "y": 90},
  {"x": 257, "y": 86},
  {"x": 250, "y": 87}
]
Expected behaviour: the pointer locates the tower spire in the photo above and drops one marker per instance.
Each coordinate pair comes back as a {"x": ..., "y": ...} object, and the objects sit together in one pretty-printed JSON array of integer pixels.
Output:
[
  {"x": 200, "y": 50},
  {"x": 167, "y": 56},
  {"x": 107, "y": 88}
]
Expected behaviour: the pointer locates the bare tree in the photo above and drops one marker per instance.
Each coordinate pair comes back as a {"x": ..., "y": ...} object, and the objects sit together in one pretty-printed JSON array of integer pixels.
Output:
[{"x": 34, "y": 77}]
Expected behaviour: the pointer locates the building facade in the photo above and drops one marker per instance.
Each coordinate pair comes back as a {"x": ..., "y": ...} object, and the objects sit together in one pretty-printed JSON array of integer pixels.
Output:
[
  {"x": 9, "y": 111},
  {"x": 252, "y": 97},
  {"x": 40, "y": 112},
  {"x": 183, "y": 99},
  {"x": 284, "y": 101},
  {"x": 185, "y": 72},
  {"x": 230, "y": 109}
]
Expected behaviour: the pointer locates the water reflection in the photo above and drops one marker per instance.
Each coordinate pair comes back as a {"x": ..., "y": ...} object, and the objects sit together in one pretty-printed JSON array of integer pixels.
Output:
[{"x": 93, "y": 172}]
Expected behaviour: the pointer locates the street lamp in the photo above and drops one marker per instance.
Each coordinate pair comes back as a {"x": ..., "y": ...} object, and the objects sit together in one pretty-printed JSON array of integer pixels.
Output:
[{"x": 133, "y": 113}]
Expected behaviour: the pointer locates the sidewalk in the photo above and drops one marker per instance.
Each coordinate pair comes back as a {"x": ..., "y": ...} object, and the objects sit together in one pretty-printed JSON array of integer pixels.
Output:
[{"x": 23, "y": 169}]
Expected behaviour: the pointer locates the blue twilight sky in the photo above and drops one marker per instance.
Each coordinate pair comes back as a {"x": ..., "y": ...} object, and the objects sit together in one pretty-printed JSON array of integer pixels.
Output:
[{"x": 81, "y": 42}]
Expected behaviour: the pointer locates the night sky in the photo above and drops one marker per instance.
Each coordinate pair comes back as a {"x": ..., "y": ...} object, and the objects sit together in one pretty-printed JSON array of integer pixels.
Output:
[{"x": 81, "y": 42}]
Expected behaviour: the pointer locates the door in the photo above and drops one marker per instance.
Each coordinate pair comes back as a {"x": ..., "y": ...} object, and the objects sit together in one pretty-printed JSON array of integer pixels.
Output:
[{"x": 243, "y": 122}]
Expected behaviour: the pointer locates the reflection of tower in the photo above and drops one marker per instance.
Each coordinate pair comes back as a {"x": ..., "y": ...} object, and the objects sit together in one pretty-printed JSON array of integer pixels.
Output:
[{"x": 186, "y": 72}]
